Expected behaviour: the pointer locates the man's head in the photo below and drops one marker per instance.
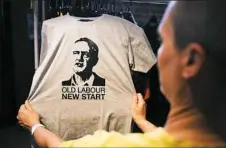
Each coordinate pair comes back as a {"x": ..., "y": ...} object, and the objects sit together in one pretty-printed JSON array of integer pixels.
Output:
[
  {"x": 192, "y": 56},
  {"x": 85, "y": 54}
]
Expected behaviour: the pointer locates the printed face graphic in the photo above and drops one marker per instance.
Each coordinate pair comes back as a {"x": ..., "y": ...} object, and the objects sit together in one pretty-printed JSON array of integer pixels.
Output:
[
  {"x": 82, "y": 60},
  {"x": 81, "y": 56}
]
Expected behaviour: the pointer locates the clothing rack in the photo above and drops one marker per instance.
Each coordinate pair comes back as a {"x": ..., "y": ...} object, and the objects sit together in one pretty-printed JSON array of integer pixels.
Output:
[{"x": 147, "y": 2}]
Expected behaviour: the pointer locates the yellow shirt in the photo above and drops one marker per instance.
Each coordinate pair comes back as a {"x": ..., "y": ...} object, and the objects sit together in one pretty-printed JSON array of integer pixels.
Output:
[{"x": 157, "y": 138}]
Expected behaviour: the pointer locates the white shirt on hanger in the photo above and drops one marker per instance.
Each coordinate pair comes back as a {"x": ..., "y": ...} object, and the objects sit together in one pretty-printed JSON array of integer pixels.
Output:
[{"x": 107, "y": 49}]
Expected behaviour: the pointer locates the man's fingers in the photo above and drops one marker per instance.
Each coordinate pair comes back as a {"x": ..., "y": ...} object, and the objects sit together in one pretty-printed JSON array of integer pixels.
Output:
[
  {"x": 22, "y": 107},
  {"x": 21, "y": 123},
  {"x": 28, "y": 106},
  {"x": 18, "y": 117},
  {"x": 22, "y": 114},
  {"x": 140, "y": 97},
  {"x": 140, "y": 100},
  {"x": 135, "y": 100}
]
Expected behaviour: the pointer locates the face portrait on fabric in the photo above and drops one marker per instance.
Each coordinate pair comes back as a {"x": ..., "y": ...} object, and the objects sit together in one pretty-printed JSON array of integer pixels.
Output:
[
  {"x": 85, "y": 57},
  {"x": 82, "y": 57}
]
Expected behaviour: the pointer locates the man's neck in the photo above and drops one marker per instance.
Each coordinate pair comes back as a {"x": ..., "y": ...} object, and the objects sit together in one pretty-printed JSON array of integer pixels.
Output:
[
  {"x": 83, "y": 76},
  {"x": 187, "y": 123}
]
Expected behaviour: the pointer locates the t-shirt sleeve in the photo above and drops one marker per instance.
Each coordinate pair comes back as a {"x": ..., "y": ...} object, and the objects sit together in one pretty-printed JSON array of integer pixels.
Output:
[
  {"x": 157, "y": 138},
  {"x": 44, "y": 43},
  {"x": 141, "y": 56},
  {"x": 47, "y": 37}
]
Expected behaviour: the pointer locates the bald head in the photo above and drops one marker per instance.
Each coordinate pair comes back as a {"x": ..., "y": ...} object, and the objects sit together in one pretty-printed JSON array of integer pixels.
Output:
[{"x": 203, "y": 22}]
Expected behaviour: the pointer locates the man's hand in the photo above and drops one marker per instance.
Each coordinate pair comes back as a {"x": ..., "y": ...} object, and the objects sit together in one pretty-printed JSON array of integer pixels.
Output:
[
  {"x": 138, "y": 108},
  {"x": 27, "y": 116},
  {"x": 139, "y": 114}
]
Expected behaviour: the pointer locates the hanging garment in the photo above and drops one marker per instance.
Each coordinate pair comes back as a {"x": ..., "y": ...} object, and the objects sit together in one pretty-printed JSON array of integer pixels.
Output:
[
  {"x": 157, "y": 106},
  {"x": 84, "y": 81},
  {"x": 150, "y": 30}
]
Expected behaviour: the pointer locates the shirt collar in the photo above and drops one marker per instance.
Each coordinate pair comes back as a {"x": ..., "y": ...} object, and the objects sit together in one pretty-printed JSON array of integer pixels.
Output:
[{"x": 89, "y": 82}]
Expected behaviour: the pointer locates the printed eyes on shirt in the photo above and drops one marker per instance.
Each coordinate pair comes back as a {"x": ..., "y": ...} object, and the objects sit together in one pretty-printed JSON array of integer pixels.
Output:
[
  {"x": 86, "y": 54},
  {"x": 83, "y": 53},
  {"x": 75, "y": 52}
]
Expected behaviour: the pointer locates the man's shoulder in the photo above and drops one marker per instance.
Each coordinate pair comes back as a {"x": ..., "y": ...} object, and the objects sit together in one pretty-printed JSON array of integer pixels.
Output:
[
  {"x": 97, "y": 76},
  {"x": 98, "y": 81},
  {"x": 66, "y": 82}
]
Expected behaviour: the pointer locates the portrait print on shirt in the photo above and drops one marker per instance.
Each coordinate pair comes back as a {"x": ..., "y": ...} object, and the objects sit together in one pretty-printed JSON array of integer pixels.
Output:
[{"x": 84, "y": 82}]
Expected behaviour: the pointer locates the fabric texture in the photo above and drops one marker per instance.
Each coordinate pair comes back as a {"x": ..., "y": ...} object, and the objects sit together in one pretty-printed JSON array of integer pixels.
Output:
[
  {"x": 84, "y": 79},
  {"x": 157, "y": 138}
]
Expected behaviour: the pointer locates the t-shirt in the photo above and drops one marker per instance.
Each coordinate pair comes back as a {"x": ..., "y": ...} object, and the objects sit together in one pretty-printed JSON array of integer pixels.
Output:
[
  {"x": 84, "y": 80},
  {"x": 157, "y": 138}
]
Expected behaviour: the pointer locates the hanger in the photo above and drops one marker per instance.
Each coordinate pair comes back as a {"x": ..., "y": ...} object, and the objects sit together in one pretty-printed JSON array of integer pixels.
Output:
[
  {"x": 131, "y": 14},
  {"x": 64, "y": 7},
  {"x": 101, "y": 8},
  {"x": 128, "y": 15},
  {"x": 58, "y": 7},
  {"x": 80, "y": 8}
]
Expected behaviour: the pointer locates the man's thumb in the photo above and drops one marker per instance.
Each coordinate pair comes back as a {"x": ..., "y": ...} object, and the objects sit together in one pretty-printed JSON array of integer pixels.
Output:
[{"x": 140, "y": 99}]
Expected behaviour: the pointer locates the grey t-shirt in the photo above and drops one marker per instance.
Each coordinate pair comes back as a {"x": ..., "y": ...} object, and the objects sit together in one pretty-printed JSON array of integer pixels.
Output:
[{"x": 84, "y": 80}]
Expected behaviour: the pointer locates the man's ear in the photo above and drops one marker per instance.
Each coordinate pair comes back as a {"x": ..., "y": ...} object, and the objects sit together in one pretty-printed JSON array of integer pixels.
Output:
[{"x": 193, "y": 60}]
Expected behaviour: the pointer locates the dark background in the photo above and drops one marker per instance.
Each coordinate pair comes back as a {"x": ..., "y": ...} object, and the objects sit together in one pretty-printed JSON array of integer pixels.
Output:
[{"x": 17, "y": 67}]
